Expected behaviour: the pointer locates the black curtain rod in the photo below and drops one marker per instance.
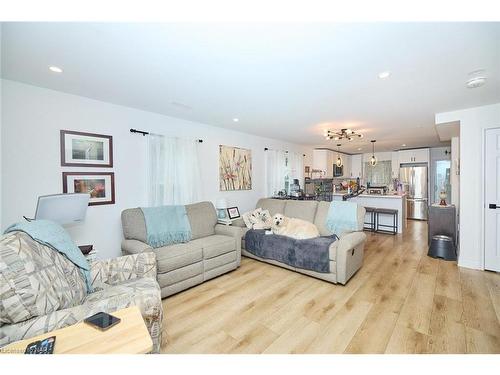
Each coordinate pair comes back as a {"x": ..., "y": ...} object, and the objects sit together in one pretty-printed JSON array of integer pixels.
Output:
[
  {"x": 138, "y": 131},
  {"x": 266, "y": 149},
  {"x": 146, "y": 133}
]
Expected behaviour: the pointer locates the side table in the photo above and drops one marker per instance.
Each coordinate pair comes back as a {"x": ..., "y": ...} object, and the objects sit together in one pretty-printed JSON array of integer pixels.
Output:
[
  {"x": 89, "y": 252},
  {"x": 130, "y": 336},
  {"x": 225, "y": 221},
  {"x": 92, "y": 256}
]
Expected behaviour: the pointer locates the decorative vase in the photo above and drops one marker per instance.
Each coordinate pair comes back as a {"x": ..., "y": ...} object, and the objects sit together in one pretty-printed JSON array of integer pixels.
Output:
[{"x": 443, "y": 197}]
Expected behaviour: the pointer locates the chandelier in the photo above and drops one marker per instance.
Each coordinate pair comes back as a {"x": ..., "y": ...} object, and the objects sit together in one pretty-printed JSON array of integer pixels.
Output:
[{"x": 342, "y": 134}]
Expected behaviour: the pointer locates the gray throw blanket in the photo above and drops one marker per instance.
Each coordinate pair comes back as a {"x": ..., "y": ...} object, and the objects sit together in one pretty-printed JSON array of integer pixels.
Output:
[{"x": 311, "y": 254}]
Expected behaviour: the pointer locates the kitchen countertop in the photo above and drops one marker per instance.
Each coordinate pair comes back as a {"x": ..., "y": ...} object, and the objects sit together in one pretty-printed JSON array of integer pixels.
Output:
[{"x": 364, "y": 195}]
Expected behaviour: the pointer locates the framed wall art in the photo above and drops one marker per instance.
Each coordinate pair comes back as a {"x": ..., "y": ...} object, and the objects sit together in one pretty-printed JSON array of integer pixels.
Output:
[
  {"x": 80, "y": 149},
  {"x": 100, "y": 186},
  {"x": 233, "y": 212},
  {"x": 235, "y": 168}
]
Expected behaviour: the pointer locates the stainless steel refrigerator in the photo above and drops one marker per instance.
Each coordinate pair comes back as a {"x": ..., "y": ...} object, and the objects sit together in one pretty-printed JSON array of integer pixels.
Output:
[{"x": 414, "y": 179}]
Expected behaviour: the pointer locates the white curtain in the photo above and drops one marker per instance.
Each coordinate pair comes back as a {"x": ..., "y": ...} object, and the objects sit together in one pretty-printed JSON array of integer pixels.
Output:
[
  {"x": 276, "y": 171},
  {"x": 296, "y": 167},
  {"x": 173, "y": 171}
]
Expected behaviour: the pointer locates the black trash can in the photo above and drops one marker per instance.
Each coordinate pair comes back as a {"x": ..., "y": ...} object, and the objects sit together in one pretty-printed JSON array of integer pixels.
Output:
[{"x": 442, "y": 247}]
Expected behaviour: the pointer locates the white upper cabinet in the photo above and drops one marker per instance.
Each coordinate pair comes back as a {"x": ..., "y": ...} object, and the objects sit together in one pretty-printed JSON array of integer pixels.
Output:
[
  {"x": 330, "y": 159},
  {"x": 420, "y": 155},
  {"x": 346, "y": 159},
  {"x": 320, "y": 160},
  {"x": 395, "y": 164},
  {"x": 325, "y": 159},
  {"x": 357, "y": 166}
]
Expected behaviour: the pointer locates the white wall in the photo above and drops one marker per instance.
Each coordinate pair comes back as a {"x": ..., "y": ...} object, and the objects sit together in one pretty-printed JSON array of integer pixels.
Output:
[
  {"x": 33, "y": 117},
  {"x": 1, "y": 175},
  {"x": 455, "y": 177},
  {"x": 473, "y": 122},
  {"x": 381, "y": 156}
]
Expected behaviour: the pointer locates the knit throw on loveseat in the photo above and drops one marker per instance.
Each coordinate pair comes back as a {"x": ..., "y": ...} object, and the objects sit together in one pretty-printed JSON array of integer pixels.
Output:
[{"x": 166, "y": 225}]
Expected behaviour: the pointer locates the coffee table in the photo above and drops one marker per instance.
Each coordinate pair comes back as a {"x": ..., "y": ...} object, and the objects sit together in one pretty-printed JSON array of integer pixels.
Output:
[{"x": 130, "y": 336}]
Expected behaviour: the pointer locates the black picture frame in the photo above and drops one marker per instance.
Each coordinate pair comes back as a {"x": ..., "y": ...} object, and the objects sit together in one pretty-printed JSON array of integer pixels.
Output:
[{"x": 235, "y": 213}]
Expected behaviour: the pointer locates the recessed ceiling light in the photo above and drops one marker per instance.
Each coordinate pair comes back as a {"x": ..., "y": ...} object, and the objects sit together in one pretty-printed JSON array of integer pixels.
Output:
[
  {"x": 384, "y": 75},
  {"x": 360, "y": 148},
  {"x": 236, "y": 119},
  {"x": 477, "y": 78},
  {"x": 476, "y": 82},
  {"x": 55, "y": 69},
  {"x": 404, "y": 145}
]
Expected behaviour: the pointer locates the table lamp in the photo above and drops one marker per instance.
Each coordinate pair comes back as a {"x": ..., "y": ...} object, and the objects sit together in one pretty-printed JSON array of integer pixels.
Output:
[{"x": 221, "y": 205}]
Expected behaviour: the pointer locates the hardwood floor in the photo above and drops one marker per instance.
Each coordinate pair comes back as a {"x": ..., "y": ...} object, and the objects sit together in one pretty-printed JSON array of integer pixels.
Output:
[{"x": 400, "y": 301}]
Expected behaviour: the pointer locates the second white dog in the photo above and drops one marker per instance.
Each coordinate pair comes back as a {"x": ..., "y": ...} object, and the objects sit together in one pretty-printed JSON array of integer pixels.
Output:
[{"x": 295, "y": 228}]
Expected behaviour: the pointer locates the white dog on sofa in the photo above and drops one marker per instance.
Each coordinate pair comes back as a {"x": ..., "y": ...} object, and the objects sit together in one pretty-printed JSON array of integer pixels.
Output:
[{"x": 295, "y": 228}]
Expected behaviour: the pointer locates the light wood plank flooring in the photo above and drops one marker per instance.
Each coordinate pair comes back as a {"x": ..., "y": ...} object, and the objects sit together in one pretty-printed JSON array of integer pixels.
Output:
[{"x": 401, "y": 301}]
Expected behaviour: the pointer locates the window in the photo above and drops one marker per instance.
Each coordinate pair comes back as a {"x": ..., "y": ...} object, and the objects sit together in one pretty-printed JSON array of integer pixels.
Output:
[
  {"x": 173, "y": 171},
  {"x": 281, "y": 169},
  {"x": 380, "y": 174}
]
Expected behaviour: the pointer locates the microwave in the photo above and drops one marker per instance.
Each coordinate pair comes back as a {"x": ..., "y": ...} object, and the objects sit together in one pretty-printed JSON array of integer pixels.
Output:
[{"x": 338, "y": 171}]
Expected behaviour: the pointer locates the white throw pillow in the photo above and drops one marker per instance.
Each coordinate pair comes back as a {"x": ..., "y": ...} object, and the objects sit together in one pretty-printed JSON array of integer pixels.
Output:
[
  {"x": 252, "y": 217},
  {"x": 265, "y": 220},
  {"x": 258, "y": 219}
]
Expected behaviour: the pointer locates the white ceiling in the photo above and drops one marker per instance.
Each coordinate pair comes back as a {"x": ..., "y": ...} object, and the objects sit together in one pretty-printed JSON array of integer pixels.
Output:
[{"x": 285, "y": 81}]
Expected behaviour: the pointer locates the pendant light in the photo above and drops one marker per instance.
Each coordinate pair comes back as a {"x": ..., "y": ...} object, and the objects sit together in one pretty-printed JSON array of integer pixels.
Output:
[
  {"x": 339, "y": 162},
  {"x": 373, "y": 159}
]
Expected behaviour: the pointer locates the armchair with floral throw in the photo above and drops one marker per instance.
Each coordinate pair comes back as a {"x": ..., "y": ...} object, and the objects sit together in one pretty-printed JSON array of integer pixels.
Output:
[{"x": 41, "y": 290}]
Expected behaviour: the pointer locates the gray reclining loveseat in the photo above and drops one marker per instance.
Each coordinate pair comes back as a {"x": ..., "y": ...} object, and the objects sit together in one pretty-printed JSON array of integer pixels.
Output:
[{"x": 214, "y": 249}]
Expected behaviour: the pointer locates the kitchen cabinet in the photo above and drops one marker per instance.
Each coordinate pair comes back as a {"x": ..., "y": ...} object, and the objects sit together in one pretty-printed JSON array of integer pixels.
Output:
[
  {"x": 395, "y": 164},
  {"x": 346, "y": 162},
  {"x": 346, "y": 159},
  {"x": 320, "y": 160},
  {"x": 420, "y": 155},
  {"x": 330, "y": 159},
  {"x": 325, "y": 159},
  {"x": 357, "y": 166}
]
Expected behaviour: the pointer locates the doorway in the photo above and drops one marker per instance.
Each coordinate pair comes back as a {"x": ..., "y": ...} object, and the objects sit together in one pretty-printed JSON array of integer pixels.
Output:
[
  {"x": 440, "y": 173},
  {"x": 492, "y": 200}
]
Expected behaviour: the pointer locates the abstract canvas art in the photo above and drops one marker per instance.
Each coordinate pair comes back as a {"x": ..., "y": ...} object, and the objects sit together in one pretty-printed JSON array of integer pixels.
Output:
[{"x": 235, "y": 168}]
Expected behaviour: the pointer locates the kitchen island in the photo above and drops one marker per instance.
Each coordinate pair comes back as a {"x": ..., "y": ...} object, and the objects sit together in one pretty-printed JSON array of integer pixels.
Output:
[{"x": 392, "y": 201}]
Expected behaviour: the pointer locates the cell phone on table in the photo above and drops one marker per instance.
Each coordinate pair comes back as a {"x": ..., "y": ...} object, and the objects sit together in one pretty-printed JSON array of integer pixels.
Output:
[{"x": 102, "y": 321}]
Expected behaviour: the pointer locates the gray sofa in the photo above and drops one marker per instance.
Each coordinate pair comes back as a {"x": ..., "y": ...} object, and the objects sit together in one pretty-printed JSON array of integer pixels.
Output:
[
  {"x": 214, "y": 249},
  {"x": 346, "y": 255}
]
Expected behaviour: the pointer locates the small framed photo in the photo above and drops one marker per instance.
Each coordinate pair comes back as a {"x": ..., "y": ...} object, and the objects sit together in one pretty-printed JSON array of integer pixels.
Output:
[
  {"x": 233, "y": 212},
  {"x": 86, "y": 149},
  {"x": 100, "y": 186}
]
